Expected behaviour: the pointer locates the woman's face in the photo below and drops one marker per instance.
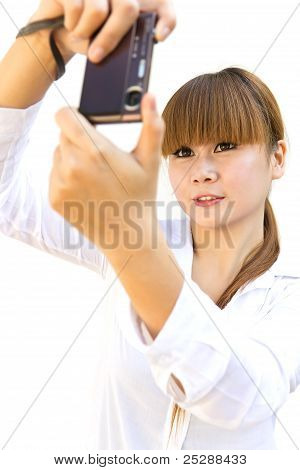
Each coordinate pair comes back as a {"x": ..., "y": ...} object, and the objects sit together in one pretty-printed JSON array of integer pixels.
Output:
[{"x": 239, "y": 173}]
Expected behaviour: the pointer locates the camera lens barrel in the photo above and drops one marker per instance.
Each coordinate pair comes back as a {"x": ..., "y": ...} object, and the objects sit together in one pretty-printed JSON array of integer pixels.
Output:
[{"x": 133, "y": 98}]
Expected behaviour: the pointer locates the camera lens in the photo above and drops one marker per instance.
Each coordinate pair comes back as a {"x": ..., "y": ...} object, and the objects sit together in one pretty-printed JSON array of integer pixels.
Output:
[{"x": 133, "y": 98}]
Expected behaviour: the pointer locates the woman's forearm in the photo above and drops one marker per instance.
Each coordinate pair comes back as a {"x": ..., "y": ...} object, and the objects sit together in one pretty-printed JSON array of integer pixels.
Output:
[
  {"x": 27, "y": 71},
  {"x": 150, "y": 275}
]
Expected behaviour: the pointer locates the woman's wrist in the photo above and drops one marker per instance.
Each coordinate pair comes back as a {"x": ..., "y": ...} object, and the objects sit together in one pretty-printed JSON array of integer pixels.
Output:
[
  {"x": 27, "y": 70},
  {"x": 60, "y": 36},
  {"x": 137, "y": 235}
]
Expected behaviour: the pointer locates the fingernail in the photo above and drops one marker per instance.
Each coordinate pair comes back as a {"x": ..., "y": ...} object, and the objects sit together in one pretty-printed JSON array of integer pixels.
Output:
[
  {"x": 163, "y": 33},
  {"x": 96, "y": 53}
]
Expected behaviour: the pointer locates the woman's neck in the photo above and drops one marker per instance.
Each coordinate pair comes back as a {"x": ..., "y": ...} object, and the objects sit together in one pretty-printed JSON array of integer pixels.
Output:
[{"x": 223, "y": 250}]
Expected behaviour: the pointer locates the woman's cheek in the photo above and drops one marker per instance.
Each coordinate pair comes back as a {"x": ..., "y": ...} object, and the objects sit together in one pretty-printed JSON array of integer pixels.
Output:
[{"x": 237, "y": 179}]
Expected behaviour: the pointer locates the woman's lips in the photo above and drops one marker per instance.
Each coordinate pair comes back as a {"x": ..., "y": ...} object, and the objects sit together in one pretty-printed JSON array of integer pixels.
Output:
[{"x": 208, "y": 203}]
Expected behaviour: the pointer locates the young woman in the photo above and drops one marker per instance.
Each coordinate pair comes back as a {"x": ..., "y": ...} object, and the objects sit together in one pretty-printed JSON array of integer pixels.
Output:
[{"x": 200, "y": 348}]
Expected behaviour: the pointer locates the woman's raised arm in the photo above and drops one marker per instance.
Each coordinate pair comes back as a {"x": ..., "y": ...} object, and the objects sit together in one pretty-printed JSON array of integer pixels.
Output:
[{"x": 28, "y": 68}]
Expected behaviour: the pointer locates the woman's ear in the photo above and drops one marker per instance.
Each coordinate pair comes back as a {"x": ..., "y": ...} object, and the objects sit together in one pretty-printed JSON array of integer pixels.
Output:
[{"x": 278, "y": 159}]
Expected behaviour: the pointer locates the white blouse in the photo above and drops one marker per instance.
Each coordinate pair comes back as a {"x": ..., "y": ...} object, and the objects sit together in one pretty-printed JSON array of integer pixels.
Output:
[{"x": 237, "y": 365}]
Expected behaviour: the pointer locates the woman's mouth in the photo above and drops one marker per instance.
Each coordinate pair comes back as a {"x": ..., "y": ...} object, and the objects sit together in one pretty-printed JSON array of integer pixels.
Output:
[{"x": 207, "y": 203}]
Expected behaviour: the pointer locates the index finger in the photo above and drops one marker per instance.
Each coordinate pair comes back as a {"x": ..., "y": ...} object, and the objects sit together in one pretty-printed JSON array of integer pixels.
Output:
[
  {"x": 167, "y": 19},
  {"x": 78, "y": 130},
  {"x": 123, "y": 15},
  {"x": 82, "y": 134}
]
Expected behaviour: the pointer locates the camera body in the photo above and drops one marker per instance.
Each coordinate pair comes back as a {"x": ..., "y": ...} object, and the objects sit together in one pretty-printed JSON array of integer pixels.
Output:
[{"x": 112, "y": 90}]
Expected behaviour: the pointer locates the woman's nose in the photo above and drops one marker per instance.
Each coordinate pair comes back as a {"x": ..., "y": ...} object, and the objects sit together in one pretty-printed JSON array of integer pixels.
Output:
[{"x": 203, "y": 170}]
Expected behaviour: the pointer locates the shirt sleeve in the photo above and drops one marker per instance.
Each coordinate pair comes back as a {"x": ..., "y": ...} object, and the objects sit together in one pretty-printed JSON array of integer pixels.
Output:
[
  {"x": 231, "y": 377},
  {"x": 25, "y": 211}
]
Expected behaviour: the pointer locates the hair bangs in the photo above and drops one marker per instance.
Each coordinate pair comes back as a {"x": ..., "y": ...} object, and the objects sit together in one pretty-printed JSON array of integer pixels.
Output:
[{"x": 213, "y": 108}]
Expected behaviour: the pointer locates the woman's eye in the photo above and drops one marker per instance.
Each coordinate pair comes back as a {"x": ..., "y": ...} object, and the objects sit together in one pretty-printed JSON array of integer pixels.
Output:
[
  {"x": 225, "y": 144},
  {"x": 182, "y": 149},
  {"x": 184, "y": 152}
]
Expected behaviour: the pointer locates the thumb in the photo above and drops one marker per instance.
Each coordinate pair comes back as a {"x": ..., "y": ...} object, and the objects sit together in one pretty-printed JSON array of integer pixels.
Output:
[{"x": 148, "y": 149}]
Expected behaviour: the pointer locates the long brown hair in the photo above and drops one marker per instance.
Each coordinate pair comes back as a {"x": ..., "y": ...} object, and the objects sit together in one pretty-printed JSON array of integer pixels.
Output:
[{"x": 232, "y": 105}]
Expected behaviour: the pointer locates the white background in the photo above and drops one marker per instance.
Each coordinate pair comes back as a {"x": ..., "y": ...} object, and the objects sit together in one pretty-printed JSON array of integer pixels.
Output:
[{"x": 44, "y": 300}]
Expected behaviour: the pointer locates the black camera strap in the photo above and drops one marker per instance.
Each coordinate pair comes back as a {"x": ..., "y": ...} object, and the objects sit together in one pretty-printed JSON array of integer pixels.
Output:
[{"x": 53, "y": 23}]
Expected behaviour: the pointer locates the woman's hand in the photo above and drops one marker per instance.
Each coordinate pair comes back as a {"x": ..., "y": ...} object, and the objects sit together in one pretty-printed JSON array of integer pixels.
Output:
[
  {"x": 84, "y": 17},
  {"x": 90, "y": 173}
]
